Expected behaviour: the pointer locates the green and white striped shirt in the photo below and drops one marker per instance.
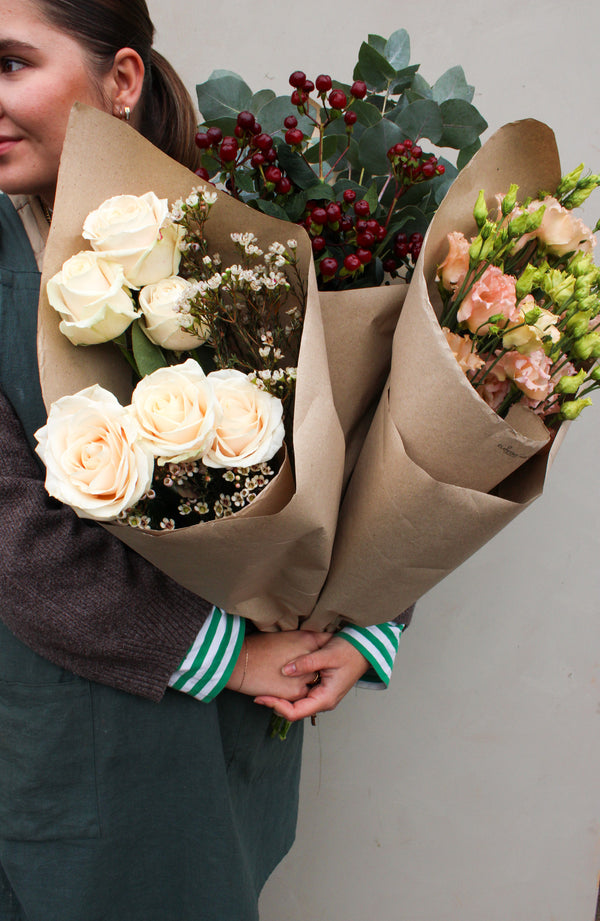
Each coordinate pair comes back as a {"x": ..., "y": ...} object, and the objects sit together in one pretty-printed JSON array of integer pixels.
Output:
[{"x": 206, "y": 668}]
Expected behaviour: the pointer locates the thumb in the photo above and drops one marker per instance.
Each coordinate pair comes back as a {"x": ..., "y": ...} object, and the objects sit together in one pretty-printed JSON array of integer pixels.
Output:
[{"x": 304, "y": 665}]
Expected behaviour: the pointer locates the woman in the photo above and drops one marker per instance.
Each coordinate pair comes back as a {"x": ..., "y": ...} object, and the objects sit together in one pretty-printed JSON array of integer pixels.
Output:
[{"x": 118, "y": 800}]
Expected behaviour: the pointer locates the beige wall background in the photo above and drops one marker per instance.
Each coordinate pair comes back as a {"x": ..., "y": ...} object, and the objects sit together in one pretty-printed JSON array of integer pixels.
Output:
[{"x": 471, "y": 789}]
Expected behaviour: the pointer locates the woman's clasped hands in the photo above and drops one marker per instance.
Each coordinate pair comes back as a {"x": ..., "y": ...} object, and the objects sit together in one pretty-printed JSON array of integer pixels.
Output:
[{"x": 297, "y": 673}]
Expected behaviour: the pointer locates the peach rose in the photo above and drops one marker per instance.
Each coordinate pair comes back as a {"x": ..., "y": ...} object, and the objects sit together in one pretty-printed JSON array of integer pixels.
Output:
[
  {"x": 95, "y": 459},
  {"x": 493, "y": 293},
  {"x": 560, "y": 231},
  {"x": 461, "y": 347},
  {"x": 133, "y": 230},
  {"x": 531, "y": 373},
  {"x": 251, "y": 428},
  {"x": 454, "y": 268},
  {"x": 177, "y": 412}
]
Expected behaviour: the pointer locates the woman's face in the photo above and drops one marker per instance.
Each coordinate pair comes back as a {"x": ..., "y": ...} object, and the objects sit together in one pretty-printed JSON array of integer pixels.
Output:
[{"x": 42, "y": 73}]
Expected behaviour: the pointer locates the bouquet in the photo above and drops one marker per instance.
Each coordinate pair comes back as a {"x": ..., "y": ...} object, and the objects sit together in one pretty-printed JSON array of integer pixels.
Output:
[
  {"x": 440, "y": 471},
  {"x": 268, "y": 560}
]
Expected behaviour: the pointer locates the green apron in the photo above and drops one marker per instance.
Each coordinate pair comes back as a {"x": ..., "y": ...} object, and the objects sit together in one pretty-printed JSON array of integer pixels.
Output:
[{"x": 114, "y": 808}]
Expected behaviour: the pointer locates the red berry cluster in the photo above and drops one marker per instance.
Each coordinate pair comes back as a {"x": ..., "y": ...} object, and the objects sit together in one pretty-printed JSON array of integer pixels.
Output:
[
  {"x": 405, "y": 248},
  {"x": 345, "y": 225},
  {"x": 248, "y": 144},
  {"x": 410, "y": 165},
  {"x": 336, "y": 99}
]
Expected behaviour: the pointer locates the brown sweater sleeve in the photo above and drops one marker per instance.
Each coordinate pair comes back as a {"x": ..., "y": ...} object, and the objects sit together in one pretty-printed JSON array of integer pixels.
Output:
[{"x": 75, "y": 594}]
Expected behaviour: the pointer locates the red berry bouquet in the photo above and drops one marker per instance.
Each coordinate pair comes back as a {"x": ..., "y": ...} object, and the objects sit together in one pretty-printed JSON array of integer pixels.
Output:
[{"x": 346, "y": 161}]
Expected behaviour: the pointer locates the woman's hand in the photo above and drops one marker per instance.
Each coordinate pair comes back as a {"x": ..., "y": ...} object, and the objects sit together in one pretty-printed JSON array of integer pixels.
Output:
[
  {"x": 339, "y": 665},
  {"x": 259, "y": 669}
]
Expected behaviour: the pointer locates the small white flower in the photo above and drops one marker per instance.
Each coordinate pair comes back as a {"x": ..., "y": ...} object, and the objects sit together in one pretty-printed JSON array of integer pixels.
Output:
[{"x": 209, "y": 197}]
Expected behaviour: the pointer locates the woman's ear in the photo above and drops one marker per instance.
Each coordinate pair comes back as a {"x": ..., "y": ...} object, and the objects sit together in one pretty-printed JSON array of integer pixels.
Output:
[{"x": 125, "y": 80}]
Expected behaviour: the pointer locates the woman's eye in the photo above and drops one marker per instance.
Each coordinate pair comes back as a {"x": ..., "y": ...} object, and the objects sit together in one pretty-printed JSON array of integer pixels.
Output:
[{"x": 11, "y": 65}]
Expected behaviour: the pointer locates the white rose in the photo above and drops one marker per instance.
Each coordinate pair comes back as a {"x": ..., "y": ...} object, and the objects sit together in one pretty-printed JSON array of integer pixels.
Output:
[
  {"x": 95, "y": 459},
  {"x": 131, "y": 230},
  {"x": 159, "y": 304},
  {"x": 177, "y": 412},
  {"x": 251, "y": 430},
  {"x": 90, "y": 295}
]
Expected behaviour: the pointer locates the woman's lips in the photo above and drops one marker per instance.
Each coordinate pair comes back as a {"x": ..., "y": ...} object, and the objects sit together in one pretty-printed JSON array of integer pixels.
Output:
[{"x": 7, "y": 144}]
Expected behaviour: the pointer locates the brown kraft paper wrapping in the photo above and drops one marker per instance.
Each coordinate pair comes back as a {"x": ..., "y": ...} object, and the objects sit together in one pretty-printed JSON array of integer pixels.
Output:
[
  {"x": 418, "y": 501},
  {"x": 267, "y": 563}
]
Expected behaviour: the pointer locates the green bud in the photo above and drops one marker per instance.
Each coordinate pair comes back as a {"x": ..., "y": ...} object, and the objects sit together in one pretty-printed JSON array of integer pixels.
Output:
[
  {"x": 525, "y": 223},
  {"x": 581, "y": 265},
  {"x": 487, "y": 229},
  {"x": 475, "y": 251},
  {"x": 587, "y": 346},
  {"x": 573, "y": 408},
  {"x": 480, "y": 211},
  {"x": 571, "y": 383},
  {"x": 589, "y": 304},
  {"x": 487, "y": 249},
  {"x": 559, "y": 286},
  {"x": 595, "y": 373},
  {"x": 569, "y": 182},
  {"x": 510, "y": 200},
  {"x": 577, "y": 198},
  {"x": 578, "y": 324},
  {"x": 526, "y": 281},
  {"x": 532, "y": 316}
]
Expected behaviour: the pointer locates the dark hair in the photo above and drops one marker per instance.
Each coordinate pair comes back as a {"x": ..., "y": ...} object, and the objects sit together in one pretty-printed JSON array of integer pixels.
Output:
[{"x": 102, "y": 27}]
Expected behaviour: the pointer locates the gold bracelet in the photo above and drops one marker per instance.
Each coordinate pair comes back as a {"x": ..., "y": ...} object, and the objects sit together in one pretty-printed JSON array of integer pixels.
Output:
[{"x": 245, "y": 666}]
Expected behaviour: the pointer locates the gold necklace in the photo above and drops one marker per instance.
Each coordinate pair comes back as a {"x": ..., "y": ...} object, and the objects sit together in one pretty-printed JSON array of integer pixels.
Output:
[{"x": 47, "y": 211}]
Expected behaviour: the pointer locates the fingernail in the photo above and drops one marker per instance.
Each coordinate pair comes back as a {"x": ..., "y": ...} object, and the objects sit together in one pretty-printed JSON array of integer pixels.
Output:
[{"x": 289, "y": 669}]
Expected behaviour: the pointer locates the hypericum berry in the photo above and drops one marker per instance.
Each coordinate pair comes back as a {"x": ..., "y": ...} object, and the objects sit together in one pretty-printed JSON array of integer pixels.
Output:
[
  {"x": 246, "y": 120},
  {"x": 298, "y": 78},
  {"x": 294, "y": 137},
  {"x": 298, "y": 98},
  {"x": 283, "y": 186},
  {"x": 263, "y": 141},
  {"x": 257, "y": 129},
  {"x": 416, "y": 151},
  {"x": 361, "y": 225},
  {"x": 346, "y": 223},
  {"x": 308, "y": 86},
  {"x": 352, "y": 263},
  {"x": 428, "y": 170},
  {"x": 364, "y": 255},
  {"x": 408, "y": 143},
  {"x": 389, "y": 265},
  {"x": 271, "y": 155},
  {"x": 319, "y": 216},
  {"x": 358, "y": 89},
  {"x": 328, "y": 267},
  {"x": 257, "y": 159},
  {"x": 203, "y": 173},
  {"x": 323, "y": 83},
  {"x": 440, "y": 169},
  {"x": 338, "y": 99},
  {"x": 362, "y": 208},
  {"x": 318, "y": 245},
  {"x": 334, "y": 212},
  {"x": 228, "y": 152},
  {"x": 350, "y": 117},
  {"x": 366, "y": 239},
  {"x": 239, "y": 132},
  {"x": 373, "y": 226},
  {"x": 215, "y": 135},
  {"x": 202, "y": 140},
  {"x": 273, "y": 174},
  {"x": 349, "y": 196},
  {"x": 290, "y": 121}
]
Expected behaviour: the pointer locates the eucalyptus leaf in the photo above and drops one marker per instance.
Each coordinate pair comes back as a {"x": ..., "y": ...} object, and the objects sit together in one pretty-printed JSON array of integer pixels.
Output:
[
  {"x": 466, "y": 153},
  {"x": 419, "y": 89},
  {"x": 367, "y": 113},
  {"x": 404, "y": 79},
  {"x": 244, "y": 181},
  {"x": 371, "y": 198},
  {"x": 273, "y": 113},
  {"x": 226, "y": 124},
  {"x": 270, "y": 208},
  {"x": 222, "y": 96},
  {"x": 377, "y": 42},
  {"x": 295, "y": 167},
  {"x": 376, "y": 71},
  {"x": 148, "y": 357},
  {"x": 259, "y": 100},
  {"x": 374, "y": 145},
  {"x": 452, "y": 85},
  {"x": 462, "y": 124},
  {"x": 397, "y": 49},
  {"x": 320, "y": 191},
  {"x": 331, "y": 147},
  {"x": 421, "y": 119}
]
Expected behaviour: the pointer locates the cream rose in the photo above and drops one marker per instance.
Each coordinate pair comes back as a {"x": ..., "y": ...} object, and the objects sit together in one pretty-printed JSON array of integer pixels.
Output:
[
  {"x": 94, "y": 457},
  {"x": 159, "y": 305},
  {"x": 90, "y": 295},
  {"x": 251, "y": 429},
  {"x": 134, "y": 231},
  {"x": 177, "y": 412}
]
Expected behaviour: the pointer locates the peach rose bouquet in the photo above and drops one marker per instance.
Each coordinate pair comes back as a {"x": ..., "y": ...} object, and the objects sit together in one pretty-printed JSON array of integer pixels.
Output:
[
  {"x": 196, "y": 444},
  {"x": 521, "y": 302}
]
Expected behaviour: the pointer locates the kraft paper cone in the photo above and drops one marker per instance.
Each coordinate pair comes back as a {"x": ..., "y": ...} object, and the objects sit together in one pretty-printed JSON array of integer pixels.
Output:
[
  {"x": 267, "y": 563},
  {"x": 359, "y": 328},
  {"x": 446, "y": 427},
  {"x": 414, "y": 508}
]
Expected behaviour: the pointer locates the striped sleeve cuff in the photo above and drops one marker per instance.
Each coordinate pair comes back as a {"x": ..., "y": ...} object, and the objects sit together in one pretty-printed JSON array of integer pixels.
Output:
[
  {"x": 207, "y": 667},
  {"x": 379, "y": 645}
]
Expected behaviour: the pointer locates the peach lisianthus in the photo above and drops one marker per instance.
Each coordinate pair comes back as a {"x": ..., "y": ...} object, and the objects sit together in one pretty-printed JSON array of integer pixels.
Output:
[
  {"x": 493, "y": 390},
  {"x": 528, "y": 337},
  {"x": 453, "y": 270},
  {"x": 530, "y": 373},
  {"x": 494, "y": 293},
  {"x": 462, "y": 349},
  {"x": 560, "y": 231}
]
